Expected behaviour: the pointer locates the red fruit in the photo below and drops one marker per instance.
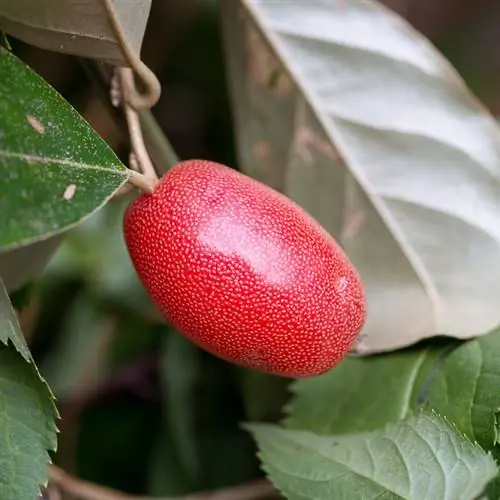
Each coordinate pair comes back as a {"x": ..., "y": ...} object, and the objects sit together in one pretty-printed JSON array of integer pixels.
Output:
[{"x": 244, "y": 272}]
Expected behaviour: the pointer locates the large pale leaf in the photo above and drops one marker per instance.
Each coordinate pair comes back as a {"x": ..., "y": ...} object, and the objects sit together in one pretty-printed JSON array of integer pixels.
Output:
[
  {"x": 388, "y": 150},
  {"x": 27, "y": 416},
  {"x": 421, "y": 457},
  {"x": 76, "y": 27},
  {"x": 55, "y": 170}
]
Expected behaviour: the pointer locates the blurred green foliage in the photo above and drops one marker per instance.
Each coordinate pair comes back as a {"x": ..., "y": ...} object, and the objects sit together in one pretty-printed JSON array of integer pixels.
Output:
[{"x": 144, "y": 410}]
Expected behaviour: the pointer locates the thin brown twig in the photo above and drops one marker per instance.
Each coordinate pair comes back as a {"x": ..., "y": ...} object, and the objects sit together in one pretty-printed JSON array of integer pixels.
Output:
[
  {"x": 85, "y": 490},
  {"x": 160, "y": 150},
  {"x": 141, "y": 181},
  {"x": 134, "y": 125},
  {"x": 151, "y": 82},
  {"x": 50, "y": 493}
]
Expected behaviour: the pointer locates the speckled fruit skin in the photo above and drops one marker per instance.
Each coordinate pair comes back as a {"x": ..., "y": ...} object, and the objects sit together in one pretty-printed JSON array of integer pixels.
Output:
[{"x": 244, "y": 272}]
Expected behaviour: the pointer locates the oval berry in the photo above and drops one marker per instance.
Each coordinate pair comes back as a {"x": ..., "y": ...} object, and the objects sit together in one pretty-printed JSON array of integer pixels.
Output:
[{"x": 244, "y": 272}]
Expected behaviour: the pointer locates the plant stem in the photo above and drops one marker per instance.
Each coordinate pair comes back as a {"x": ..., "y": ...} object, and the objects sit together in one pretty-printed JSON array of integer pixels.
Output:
[
  {"x": 86, "y": 490},
  {"x": 134, "y": 125},
  {"x": 141, "y": 181},
  {"x": 151, "y": 82}
]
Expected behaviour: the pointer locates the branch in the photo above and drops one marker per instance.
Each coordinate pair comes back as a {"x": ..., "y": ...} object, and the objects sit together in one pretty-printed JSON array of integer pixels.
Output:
[
  {"x": 125, "y": 78},
  {"x": 85, "y": 490},
  {"x": 151, "y": 83},
  {"x": 141, "y": 182},
  {"x": 157, "y": 143}
]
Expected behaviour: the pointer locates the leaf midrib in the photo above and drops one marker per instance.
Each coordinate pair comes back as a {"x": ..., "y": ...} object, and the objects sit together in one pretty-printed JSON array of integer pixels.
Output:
[{"x": 122, "y": 171}]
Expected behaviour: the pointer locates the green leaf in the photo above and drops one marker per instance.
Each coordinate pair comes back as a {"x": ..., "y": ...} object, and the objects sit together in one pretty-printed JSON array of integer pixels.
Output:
[
  {"x": 466, "y": 389},
  {"x": 363, "y": 394},
  {"x": 86, "y": 332},
  {"x": 55, "y": 170},
  {"x": 27, "y": 416},
  {"x": 166, "y": 475},
  {"x": 264, "y": 395},
  {"x": 20, "y": 266},
  {"x": 352, "y": 127},
  {"x": 458, "y": 381},
  {"x": 493, "y": 490},
  {"x": 200, "y": 424},
  {"x": 180, "y": 373},
  {"x": 9, "y": 326},
  {"x": 4, "y": 42},
  {"x": 421, "y": 457}
]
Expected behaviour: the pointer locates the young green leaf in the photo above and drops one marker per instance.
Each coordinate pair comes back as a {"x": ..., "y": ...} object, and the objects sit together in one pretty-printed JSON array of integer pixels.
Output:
[
  {"x": 375, "y": 110},
  {"x": 465, "y": 389},
  {"x": 363, "y": 394},
  {"x": 27, "y": 419},
  {"x": 55, "y": 171},
  {"x": 421, "y": 457}
]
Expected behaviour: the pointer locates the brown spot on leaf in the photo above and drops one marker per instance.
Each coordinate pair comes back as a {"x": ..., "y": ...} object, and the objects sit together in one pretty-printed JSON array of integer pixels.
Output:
[
  {"x": 265, "y": 68},
  {"x": 69, "y": 192},
  {"x": 353, "y": 225},
  {"x": 35, "y": 124},
  {"x": 261, "y": 149},
  {"x": 307, "y": 139}
]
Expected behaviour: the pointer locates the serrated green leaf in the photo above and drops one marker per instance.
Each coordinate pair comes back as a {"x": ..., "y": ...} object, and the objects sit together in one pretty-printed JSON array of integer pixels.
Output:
[
  {"x": 367, "y": 120},
  {"x": 27, "y": 414},
  {"x": 459, "y": 381},
  {"x": 9, "y": 326},
  {"x": 421, "y": 457},
  {"x": 466, "y": 389},
  {"x": 54, "y": 169},
  {"x": 363, "y": 394}
]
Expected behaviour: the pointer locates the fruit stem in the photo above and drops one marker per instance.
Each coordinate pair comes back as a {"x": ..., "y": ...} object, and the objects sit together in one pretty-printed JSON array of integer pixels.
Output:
[{"x": 142, "y": 182}]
